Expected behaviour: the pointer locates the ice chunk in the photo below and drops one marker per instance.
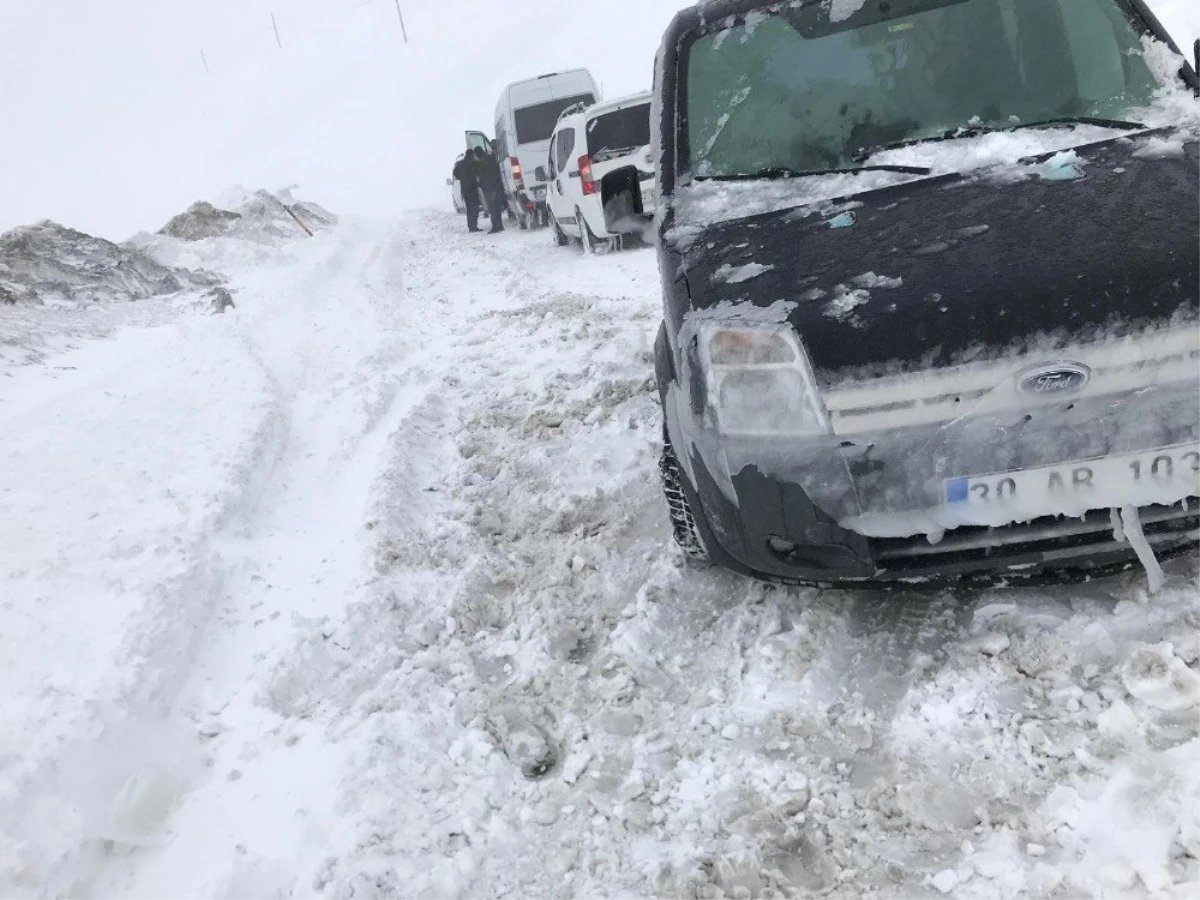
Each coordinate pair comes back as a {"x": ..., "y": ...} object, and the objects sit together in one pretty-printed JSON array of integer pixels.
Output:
[
  {"x": 994, "y": 643},
  {"x": 1132, "y": 524},
  {"x": 871, "y": 280},
  {"x": 1118, "y": 721},
  {"x": 1156, "y": 676},
  {"x": 1061, "y": 167},
  {"x": 945, "y": 880},
  {"x": 845, "y": 301},
  {"x": 840, "y": 10},
  {"x": 737, "y": 274}
]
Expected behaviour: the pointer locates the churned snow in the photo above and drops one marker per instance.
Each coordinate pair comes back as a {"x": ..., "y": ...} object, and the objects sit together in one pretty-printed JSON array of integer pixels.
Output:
[{"x": 365, "y": 587}]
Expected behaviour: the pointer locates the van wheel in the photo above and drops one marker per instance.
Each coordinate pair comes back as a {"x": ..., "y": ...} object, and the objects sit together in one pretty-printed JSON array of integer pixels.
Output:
[
  {"x": 587, "y": 237},
  {"x": 560, "y": 238},
  {"x": 683, "y": 522}
]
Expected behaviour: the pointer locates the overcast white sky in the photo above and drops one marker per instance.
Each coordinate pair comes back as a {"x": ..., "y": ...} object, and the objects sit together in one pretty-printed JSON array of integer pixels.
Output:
[{"x": 110, "y": 124}]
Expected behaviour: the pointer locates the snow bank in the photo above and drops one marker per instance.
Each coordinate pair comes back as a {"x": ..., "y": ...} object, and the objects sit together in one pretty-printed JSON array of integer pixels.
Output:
[
  {"x": 245, "y": 228},
  {"x": 263, "y": 216},
  {"x": 116, "y": 471},
  {"x": 50, "y": 265}
]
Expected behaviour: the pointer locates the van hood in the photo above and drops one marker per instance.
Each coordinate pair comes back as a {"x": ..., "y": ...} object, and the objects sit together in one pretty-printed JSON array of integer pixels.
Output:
[{"x": 951, "y": 269}]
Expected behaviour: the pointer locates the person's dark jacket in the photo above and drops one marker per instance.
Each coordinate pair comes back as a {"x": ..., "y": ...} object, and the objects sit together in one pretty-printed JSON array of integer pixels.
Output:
[
  {"x": 466, "y": 170},
  {"x": 489, "y": 173}
]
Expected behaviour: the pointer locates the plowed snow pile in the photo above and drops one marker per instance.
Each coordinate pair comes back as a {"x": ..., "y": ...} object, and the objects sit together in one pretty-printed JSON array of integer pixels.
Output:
[
  {"x": 259, "y": 216},
  {"x": 50, "y": 265},
  {"x": 365, "y": 589}
]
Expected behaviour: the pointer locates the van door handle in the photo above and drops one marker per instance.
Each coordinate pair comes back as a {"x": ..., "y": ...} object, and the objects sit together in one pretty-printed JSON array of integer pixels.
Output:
[{"x": 573, "y": 174}]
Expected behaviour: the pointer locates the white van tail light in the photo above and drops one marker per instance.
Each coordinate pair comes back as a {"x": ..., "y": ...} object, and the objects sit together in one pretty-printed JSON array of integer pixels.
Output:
[
  {"x": 518, "y": 177},
  {"x": 585, "y": 175}
]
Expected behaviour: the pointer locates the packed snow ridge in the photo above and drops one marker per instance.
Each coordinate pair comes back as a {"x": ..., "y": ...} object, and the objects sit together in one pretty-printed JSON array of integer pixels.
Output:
[
  {"x": 49, "y": 264},
  {"x": 260, "y": 215}
]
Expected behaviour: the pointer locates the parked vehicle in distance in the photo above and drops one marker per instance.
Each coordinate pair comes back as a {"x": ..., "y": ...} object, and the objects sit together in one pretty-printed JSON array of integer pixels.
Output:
[
  {"x": 525, "y": 117},
  {"x": 589, "y": 142},
  {"x": 896, "y": 350},
  {"x": 473, "y": 139},
  {"x": 456, "y": 194}
]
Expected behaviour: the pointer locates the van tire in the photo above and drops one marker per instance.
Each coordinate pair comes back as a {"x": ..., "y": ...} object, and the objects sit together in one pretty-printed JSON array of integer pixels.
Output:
[
  {"x": 587, "y": 237},
  {"x": 560, "y": 237},
  {"x": 683, "y": 522}
]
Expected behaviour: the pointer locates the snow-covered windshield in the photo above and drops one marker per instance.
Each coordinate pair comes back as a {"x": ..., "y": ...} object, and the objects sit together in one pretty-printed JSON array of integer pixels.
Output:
[{"x": 806, "y": 87}]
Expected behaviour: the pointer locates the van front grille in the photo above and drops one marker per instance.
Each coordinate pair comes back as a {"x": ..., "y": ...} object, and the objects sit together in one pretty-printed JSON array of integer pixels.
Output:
[{"x": 1036, "y": 548}]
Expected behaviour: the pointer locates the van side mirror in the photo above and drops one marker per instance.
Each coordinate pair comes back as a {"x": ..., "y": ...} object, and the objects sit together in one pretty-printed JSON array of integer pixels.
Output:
[
  {"x": 621, "y": 197},
  {"x": 540, "y": 173}
]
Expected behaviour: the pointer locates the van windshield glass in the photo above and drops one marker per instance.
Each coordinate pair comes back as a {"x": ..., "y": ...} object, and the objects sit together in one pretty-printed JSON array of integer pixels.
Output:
[
  {"x": 804, "y": 87},
  {"x": 619, "y": 133},
  {"x": 536, "y": 123}
]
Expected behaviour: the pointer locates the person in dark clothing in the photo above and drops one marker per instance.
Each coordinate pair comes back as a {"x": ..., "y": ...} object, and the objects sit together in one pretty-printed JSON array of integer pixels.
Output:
[
  {"x": 492, "y": 185},
  {"x": 466, "y": 170}
]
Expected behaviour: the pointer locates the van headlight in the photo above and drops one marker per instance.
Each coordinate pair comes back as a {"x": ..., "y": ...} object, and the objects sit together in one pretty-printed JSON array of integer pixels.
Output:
[{"x": 759, "y": 381}]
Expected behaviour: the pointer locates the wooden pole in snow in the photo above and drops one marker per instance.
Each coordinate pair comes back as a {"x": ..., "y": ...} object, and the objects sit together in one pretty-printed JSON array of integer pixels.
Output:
[
  {"x": 275, "y": 25},
  {"x": 401, "y": 15}
]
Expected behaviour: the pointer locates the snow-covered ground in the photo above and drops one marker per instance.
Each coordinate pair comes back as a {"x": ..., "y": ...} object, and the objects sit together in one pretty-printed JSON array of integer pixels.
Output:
[{"x": 365, "y": 588}]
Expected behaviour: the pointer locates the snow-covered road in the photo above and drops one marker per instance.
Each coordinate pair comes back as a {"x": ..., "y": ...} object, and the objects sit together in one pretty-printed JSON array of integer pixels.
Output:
[{"x": 366, "y": 589}]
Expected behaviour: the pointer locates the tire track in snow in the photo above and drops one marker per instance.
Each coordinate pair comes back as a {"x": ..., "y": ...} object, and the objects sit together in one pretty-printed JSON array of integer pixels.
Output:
[{"x": 339, "y": 342}]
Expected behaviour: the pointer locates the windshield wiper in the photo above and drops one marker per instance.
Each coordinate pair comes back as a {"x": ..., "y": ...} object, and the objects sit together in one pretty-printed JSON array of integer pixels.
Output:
[
  {"x": 605, "y": 153},
  {"x": 1077, "y": 120},
  {"x": 971, "y": 131},
  {"x": 780, "y": 173}
]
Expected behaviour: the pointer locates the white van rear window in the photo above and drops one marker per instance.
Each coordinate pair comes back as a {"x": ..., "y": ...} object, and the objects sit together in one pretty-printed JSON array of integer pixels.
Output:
[
  {"x": 536, "y": 123},
  {"x": 619, "y": 133}
]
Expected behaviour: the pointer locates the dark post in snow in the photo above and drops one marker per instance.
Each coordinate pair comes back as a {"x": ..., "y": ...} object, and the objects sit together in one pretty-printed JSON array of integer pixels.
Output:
[
  {"x": 275, "y": 25},
  {"x": 204, "y": 58},
  {"x": 401, "y": 15}
]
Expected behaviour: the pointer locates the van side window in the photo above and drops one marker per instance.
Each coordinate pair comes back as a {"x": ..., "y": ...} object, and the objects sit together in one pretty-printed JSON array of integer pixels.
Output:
[
  {"x": 566, "y": 145},
  {"x": 553, "y": 167}
]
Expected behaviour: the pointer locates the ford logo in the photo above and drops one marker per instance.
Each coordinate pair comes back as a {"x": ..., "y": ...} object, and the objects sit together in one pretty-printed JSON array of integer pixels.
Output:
[{"x": 1054, "y": 380}]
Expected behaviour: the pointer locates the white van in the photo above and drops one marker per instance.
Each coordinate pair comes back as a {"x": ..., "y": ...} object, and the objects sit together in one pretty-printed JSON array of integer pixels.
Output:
[
  {"x": 525, "y": 118},
  {"x": 588, "y": 143}
]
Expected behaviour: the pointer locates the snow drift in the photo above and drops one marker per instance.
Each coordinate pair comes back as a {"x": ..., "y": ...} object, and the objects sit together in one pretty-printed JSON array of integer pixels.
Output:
[
  {"x": 259, "y": 216},
  {"x": 49, "y": 264}
]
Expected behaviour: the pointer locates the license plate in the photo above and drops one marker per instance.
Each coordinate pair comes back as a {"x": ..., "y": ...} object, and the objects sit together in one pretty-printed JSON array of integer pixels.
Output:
[{"x": 1161, "y": 474}]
